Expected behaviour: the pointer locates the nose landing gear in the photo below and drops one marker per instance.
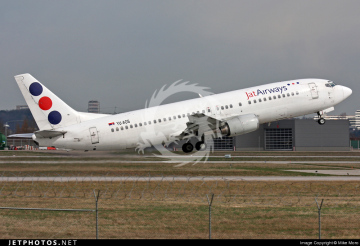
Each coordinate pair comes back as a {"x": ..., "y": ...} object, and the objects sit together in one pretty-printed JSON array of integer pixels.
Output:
[{"x": 321, "y": 120}]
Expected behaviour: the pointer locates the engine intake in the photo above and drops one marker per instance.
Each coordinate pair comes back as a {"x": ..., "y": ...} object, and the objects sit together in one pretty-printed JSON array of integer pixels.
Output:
[{"x": 240, "y": 125}]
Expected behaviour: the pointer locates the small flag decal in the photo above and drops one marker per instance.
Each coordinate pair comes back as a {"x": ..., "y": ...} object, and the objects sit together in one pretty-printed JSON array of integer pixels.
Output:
[
  {"x": 294, "y": 83},
  {"x": 111, "y": 124}
]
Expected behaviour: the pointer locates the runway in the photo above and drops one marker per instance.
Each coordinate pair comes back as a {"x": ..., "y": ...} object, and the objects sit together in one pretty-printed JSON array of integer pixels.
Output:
[
  {"x": 175, "y": 162},
  {"x": 343, "y": 174},
  {"x": 179, "y": 178}
]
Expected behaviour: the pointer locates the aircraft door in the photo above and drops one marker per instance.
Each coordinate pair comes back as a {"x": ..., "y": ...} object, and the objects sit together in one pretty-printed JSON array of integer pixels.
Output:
[
  {"x": 313, "y": 91},
  {"x": 94, "y": 135}
]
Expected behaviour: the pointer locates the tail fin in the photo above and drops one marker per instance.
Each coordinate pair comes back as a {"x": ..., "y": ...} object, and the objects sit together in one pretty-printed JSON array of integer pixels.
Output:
[{"x": 49, "y": 111}]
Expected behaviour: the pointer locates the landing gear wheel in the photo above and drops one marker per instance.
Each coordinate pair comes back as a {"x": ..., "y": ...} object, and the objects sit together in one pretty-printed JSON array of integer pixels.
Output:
[
  {"x": 321, "y": 121},
  {"x": 187, "y": 147},
  {"x": 200, "y": 146}
]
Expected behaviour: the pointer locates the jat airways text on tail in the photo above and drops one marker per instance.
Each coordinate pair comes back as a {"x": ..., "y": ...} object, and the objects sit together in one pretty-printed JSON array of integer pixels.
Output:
[{"x": 226, "y": 114}]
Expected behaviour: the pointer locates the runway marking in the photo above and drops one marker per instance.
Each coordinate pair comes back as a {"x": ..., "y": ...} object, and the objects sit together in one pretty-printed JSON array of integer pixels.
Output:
[{"x": 345, "y": 172}]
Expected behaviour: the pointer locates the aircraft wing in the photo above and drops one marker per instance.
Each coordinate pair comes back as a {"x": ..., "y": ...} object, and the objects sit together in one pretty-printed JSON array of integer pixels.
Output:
[{"x": 198, "y": 124}]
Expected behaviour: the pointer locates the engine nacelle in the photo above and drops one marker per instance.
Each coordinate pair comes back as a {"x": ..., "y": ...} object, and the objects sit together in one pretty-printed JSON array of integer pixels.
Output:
[{"x": 240, "y": 125}]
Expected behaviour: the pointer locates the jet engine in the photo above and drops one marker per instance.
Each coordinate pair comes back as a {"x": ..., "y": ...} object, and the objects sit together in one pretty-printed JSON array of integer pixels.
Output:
[{"x": 240, "y": 125}]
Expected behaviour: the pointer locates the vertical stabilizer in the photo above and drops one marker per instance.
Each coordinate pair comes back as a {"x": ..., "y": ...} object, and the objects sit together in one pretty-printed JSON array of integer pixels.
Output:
[{"x": 49, "y": 111}]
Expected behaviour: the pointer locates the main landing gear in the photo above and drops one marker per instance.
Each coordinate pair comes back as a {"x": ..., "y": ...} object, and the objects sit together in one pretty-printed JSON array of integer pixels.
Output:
[{"x": 189, "y": 147}]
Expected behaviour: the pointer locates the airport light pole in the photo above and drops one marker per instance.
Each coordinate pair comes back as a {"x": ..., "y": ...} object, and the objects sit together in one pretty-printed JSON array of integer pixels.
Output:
[{"x": 7, "y": 125}]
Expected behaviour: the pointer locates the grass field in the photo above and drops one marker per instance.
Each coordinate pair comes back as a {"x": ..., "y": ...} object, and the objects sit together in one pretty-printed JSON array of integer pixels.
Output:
[{"x": 141, "y": 208}]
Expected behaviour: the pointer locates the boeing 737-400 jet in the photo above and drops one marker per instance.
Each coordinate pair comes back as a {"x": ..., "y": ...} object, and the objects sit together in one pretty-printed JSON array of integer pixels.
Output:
[{"x": 226, "y": 114}]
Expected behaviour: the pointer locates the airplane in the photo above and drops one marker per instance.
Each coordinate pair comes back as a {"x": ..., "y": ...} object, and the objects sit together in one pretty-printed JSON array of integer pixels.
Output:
[{"x": 225, "y": 114}]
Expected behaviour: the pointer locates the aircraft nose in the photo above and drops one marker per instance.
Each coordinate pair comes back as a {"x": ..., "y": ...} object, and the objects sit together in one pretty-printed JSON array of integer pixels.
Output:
[{"x": 347, "y": 92}]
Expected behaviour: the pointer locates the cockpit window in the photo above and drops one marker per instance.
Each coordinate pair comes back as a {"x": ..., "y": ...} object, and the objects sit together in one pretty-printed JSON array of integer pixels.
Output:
[{"x": 330, "y": 84}]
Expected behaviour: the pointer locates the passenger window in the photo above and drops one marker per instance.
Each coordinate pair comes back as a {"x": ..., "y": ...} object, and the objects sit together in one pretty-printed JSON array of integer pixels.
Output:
[
  {"x": 112, "y": 129},
  {"x": 231, "y": 106},
  {"x": 179, "y": 116},
  {"x": 122, "y": 128},
  {"x": 264, "y": 99},
  {"x": 126, "y": 127},
  {"x": 283, "y": 95},
  {"x": 292, "y": 93},
  {"x": 169, "y": 118},
  {"x": 240, "y": 104},
  {"x": 140, "y": 124},
  {"x": 149, "y": 122},
  {"x": 222, "y": 107},
  {"x": 159, "y": 120},
  {"x": 288, "y": 94},
  {"x": 208, "y": 110},
  {"x": 117, "y": 129},
  {"x": 270, "y": 98},
  {"x": 131, "y": 126},
  {"x": 154, "y": 121},
  {"x": 254, "y": 101},
  {"x": 145, "y": 124},
  {"x": 249, "y": 102},
  {"x": 164, "y": 119},
  {"x": 183, "y": 115},
  {"x": 274, "y": 97},
  {"x": 297, "y": 93},
  {"x": 174, "y": 117},
  {"x": 226, "y": 106},
  {"x": 259, "y": 100},
  {"x": 135, "y": 125},
  {"x": 279, "y": 96}
]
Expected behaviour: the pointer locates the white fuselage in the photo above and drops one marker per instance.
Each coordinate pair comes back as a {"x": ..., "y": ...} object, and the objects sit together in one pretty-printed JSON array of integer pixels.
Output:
[{"x": 159, "y": 124}]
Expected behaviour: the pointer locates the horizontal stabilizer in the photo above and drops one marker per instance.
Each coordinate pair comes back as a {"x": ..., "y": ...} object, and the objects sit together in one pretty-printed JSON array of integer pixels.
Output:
[
  {"x": 21, "y": 135},
  {"x": 48, "y": 133},
  {"x": 39, "y": 134}
]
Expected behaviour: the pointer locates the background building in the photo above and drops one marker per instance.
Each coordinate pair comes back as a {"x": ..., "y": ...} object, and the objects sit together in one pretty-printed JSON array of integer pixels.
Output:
[
  {"x": 289, "y": 135},
  {"x": 19, "y": 107},
  {"x": 297, "y": 135},
  {"x": 94, "y": 106}
]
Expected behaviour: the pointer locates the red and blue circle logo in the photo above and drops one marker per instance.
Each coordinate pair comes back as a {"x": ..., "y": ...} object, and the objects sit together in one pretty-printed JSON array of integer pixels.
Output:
[
  {"x": 54, "y": 117},
  {"x": 45, "y": 103},
  {"x": 35, "y": 89}
]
